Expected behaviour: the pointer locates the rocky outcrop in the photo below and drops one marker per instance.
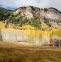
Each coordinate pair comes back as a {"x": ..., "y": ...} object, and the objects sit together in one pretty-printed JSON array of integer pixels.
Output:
[
  {"x": 50, "y": 14},
  {"x": 53, "y": 15},
  {"x": 29, "y": 12}
]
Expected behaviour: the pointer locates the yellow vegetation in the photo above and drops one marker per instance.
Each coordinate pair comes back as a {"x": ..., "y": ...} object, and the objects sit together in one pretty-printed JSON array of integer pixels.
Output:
[
  {"x": 32, "y": 33},
  {"x": 28, "y": 27},
  {"x": 2, "y": 25}
]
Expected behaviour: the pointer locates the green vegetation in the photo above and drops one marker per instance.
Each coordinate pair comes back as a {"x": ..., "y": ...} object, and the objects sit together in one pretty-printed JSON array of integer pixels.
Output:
[
  {"x": 20, "y": 21},
  {"x": 22, "y": 16},
  {"x": 48, "y": 23},
  {"x": 15, "y": 21},
  {"x": 36, "y": 23},
  {"x": 4, "y": 14}
]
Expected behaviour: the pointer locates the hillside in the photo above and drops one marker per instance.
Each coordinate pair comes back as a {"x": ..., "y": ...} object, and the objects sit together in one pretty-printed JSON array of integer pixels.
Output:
[
  {"x": 4, "y": 13},
  {"x": 32, "y": 25},
  {"x": 47, "y": 18}
]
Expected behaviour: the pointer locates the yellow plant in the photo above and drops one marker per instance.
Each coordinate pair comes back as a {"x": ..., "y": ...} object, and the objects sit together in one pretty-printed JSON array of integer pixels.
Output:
[{"x": 31, "y": 33}]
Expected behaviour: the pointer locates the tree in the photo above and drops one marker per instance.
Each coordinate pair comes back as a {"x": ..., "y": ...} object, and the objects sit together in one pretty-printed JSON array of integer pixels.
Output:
[
  {"x": 36, "y": 23},
  {"x": 21, "y": 21},
  {"x": 48, "y": 23},
  {"x": 15, "y": 21},
  {"x": 45, "y": 9}
]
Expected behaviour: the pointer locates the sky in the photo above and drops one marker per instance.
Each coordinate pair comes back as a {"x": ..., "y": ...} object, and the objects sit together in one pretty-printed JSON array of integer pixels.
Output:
[{"x": 36, "y": 3}]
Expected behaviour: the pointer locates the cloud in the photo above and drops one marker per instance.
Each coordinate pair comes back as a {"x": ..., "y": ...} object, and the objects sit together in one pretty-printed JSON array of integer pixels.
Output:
[
  {"x": 18, "y": 3},
  {"x": 37, "y": 3},
  {"x": 55, "y": 4},
  {"x": 8, "y": 2}
]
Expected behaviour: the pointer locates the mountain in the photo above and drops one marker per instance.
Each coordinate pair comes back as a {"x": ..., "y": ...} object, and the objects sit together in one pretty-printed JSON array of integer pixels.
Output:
[
  {"x": 4, "y": 13},
  {"x": 8, "y": 7},
  {"x": 50, "y": 17},
  {"x": 47, "y": 17}
]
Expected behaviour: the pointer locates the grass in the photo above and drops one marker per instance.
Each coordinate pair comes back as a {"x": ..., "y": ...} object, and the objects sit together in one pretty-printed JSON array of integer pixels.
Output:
[{"x": 15, "y": 52}]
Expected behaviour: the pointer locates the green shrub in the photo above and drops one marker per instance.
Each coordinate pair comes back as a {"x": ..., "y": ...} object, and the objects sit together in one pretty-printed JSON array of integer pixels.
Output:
[
  {"x": 36, "y": 23},
  {"x": 47, "y": 22},
  {"x": 33, "y": 22}
]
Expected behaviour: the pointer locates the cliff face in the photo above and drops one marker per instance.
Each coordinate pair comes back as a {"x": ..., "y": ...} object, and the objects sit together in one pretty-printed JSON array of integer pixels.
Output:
[
  {"x": 51, "y": 14},
  {"x": 30, "y": 12}
]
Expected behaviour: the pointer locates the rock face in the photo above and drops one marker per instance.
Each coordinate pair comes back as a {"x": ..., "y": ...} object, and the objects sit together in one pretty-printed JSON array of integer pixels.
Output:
[
  {"x": 53, "y": 14},
  {"x": 50, "y": 14},
  {"x": 24, "y": 12},
  {"x": 29, "y": 12}
]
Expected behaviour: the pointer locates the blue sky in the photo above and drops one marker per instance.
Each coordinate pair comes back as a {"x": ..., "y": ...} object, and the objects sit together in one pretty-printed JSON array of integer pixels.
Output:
[{"x": 37, "y": 3}]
